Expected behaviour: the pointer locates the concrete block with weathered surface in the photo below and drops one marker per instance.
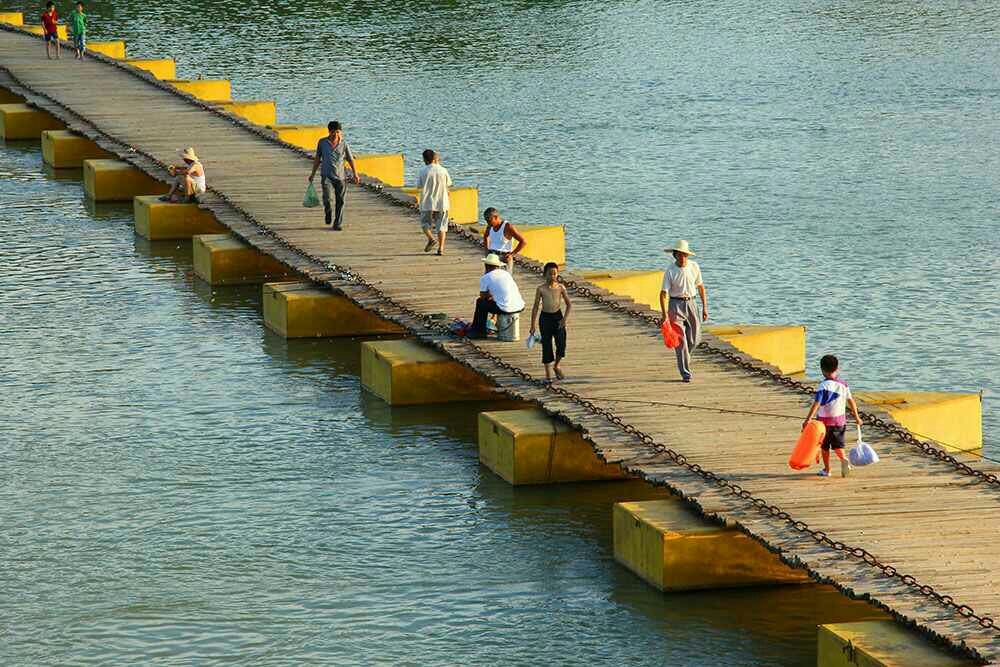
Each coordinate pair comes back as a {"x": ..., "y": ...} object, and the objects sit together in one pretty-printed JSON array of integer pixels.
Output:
[
  {"x": 405, "y": 372},
  {"x": 161, "y": 221},
  {"x": 221, "y": 259},
  {"x": 116, "y": 180},
  {"x": 301, "y": 309},
  {"x": 530, "y": 447},
  {"x": 22, "y": 121},
  {"x": 674, "y": 549},
  {"x": 63, "y": 149}
]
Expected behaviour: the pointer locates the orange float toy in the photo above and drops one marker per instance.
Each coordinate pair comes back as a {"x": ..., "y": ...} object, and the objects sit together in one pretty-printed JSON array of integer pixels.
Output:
[
  {"x": 807, "y": 448},
  {"x": 671, "y": 334}
]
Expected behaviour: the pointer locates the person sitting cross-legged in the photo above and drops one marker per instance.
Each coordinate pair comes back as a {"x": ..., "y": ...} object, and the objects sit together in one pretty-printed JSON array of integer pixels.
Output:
[
  {"x": 498, "y": 294},
  {"x": 189, "y": 179}
]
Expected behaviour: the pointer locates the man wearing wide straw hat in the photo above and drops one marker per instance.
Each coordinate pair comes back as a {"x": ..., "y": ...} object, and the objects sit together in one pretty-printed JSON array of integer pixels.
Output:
[
  {"x": 189, "y": 181},
  {"x": 498, "y": 294},
  {"x": 680, "y": 281}
]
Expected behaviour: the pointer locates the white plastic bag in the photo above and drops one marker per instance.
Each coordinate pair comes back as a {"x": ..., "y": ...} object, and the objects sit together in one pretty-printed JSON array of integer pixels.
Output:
[
  {"x": 532, "y": 339},
  {"x": 862, "y": 453}
]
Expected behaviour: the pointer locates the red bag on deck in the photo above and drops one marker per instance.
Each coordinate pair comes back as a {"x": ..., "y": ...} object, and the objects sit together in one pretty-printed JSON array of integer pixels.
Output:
[
  {"x": 807, "y": 448},
  {"x": 671, "y": 334}
]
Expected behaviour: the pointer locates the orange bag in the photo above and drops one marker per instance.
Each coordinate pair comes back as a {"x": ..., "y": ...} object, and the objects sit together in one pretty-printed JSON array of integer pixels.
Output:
[
  {"x": 806, "y": 450},
  {"x": 671, "y": 334}
]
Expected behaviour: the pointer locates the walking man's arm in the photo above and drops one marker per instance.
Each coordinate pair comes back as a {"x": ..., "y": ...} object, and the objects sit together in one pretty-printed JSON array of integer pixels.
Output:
[
  {"x": 316, "y": 161},
  {"x": 704, "y": 302},
  {"x": 569, "y": 306},
  {"x": 516, "y": 235},
  {"x": 534, "y": 311},
  {"x": 354, "y": 170},
  {"x": 663, "y": 306}
]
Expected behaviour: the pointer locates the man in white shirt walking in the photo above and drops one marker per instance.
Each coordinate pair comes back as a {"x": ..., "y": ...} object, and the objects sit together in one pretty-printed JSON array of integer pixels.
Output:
[
  {"x": 498, "y": 293},
  {"x": 434, "y": 182},
  {"x": 680, "y": 281}
]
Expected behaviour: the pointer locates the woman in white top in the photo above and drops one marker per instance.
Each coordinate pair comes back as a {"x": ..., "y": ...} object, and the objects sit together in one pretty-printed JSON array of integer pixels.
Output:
[
  {"x": 499, "y": 237},
  {"x": 190, "y": 179}
]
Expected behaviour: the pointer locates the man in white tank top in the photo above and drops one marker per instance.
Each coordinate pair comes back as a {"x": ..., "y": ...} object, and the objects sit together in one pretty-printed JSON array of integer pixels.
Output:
[
  {"x": 499, "y": 237},
  {"x": 189, "y": 181}
]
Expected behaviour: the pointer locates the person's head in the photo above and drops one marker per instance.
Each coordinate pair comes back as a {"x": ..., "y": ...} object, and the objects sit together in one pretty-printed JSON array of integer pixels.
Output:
[
  {"x": 429, "y": 156},
  {"x": 829, "y": 365},
  {"x": 681, "y": 251},
  {"x": 79, "y": 6},
  {"x": 491, "y": 262},
  {"x": 49, "y": 6},
  {"x": 491, "y": 216},
  {"x": 334, "y": 127},
  {"x": 551, "y": 272}
]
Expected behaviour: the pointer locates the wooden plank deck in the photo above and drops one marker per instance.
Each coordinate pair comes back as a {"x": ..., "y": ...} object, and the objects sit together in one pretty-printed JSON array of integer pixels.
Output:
[{"x": 913, "y": 512}]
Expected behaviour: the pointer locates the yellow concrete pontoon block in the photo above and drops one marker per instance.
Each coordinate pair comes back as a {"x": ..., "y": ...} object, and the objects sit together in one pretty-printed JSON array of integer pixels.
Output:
[
  {"x": 9, "y": 97},
  {"x": 880, "y": 644},
  {"x": 114, "y": 180},
  {"x": 210, "y": 90},
  {"x": 221, "y": 259},
  {"x": 464, "y": 204},
  {"x": 21, "y": 121},
  {"x": 954, "y": 420},
  {"x": 781, "y": 346},
  {"x": 13, "y": 18},
  {"x": 530, "y": 447},
  {"x": 303, "y": 136},
  {"x": 642, "y": 286},
  {"x": 160, "y": 221},
  {"x": 161, "y": 68},
  {"x": 303, "y": 310},
  {"x": 545, "y": 243},
  {"x": 386, "y": 167},
  {"x": 674, "y": 549},
  {"x": 62, "y": 149},
  {"x": 405, "y": 372},
  {"x": 62, "y": 32},
  {"x": 113, "y": 49},
  {"x": 259, "y": 112}
]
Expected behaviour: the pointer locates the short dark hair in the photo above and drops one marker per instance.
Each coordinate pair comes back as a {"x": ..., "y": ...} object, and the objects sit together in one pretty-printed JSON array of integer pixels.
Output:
[
  {"x": 49, "y": 4},
  {"x": 488, "y": 213},
  {"x": 333, "y": 126},
  {"x": 829, "y": 363},
  {"x": 428, "y": 155},
  {"x": 549, "y": 265}
]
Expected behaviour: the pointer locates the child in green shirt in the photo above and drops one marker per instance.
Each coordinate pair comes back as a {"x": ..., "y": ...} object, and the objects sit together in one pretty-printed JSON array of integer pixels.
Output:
[{"x": 78, "y": 29}]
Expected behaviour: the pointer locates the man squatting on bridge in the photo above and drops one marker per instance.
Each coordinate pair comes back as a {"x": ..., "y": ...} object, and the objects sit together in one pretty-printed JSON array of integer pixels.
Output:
[
  {"x": 679, "y": 283},
  {"x": 434, "y": 181},
  {"x": 499, "y": 236},
  {"x": 189, "y": 179},
  {"x": 498, "y": 294},
  {"x": 830, "y": 407},
  {"x": 550, "y": 295},
  {"x": 331, "y": 151}
]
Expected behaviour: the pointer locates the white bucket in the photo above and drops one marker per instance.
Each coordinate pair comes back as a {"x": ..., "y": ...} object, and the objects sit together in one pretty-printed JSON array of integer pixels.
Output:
[{"x": 509, "y": 327}]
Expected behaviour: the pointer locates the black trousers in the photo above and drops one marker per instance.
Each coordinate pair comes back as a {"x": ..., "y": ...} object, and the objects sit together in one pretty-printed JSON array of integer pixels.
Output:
[
  {"x": 483, "y": 308},
  {"x": 339, "y": 191},
  {"x": 548, "y": 326}
]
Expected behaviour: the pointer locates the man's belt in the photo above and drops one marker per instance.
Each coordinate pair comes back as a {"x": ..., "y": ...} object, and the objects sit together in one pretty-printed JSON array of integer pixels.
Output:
[{"x": 682, "y": 298}]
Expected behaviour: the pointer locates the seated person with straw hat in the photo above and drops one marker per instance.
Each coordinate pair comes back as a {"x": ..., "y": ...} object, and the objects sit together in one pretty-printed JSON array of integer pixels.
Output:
[
  {"x": 189, "y": 181},
  {"x": 498, "y": 294}
]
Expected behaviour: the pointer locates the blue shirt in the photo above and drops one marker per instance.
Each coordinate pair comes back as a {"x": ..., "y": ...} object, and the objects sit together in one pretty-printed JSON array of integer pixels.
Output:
[{"x": 332, "y": 158}]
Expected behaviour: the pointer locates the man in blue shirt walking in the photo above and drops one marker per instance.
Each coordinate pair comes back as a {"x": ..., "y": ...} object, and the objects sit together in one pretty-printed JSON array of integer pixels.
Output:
[{"x": 331, "y": 152}]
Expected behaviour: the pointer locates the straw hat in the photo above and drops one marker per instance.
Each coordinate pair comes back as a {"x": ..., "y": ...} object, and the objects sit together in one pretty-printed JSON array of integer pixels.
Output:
[
  {"x": 492, "y": 260},
  {"x": 188, "y": 154},
  {"x": 682, "y": 246}
]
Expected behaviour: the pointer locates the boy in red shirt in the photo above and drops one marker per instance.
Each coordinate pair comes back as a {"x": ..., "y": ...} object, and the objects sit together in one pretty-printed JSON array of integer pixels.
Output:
[{"x": 49, "y": 23}]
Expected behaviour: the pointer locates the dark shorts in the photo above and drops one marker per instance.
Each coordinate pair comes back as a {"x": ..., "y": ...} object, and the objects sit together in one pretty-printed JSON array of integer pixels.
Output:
[
  {"x": 51, "y": 37},
  {"x": 834, "y": 437}
]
